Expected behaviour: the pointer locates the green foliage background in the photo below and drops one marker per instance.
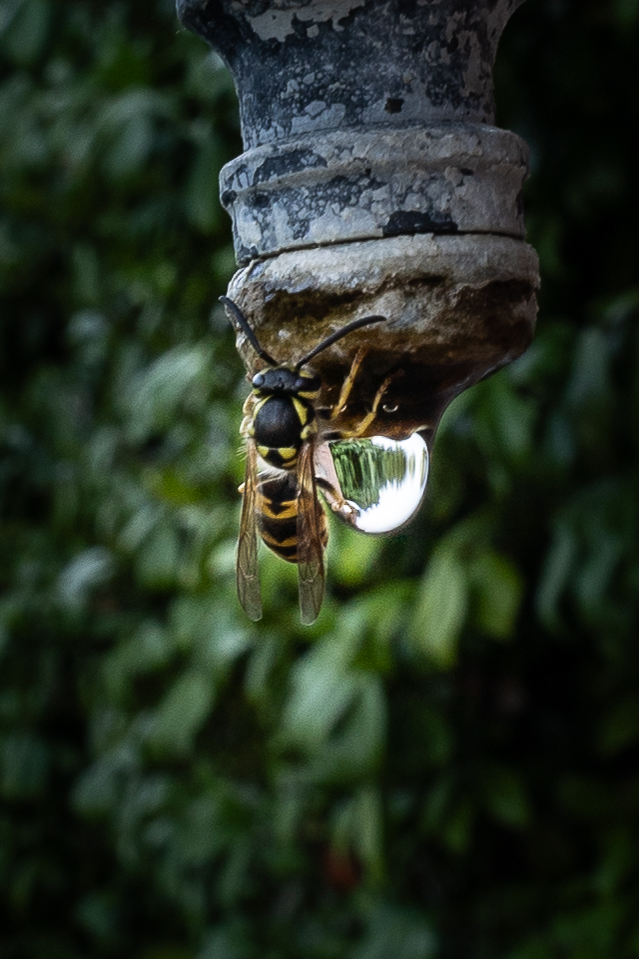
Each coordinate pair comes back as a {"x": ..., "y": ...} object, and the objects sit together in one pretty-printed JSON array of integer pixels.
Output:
[{"x": 447, "y": 764}]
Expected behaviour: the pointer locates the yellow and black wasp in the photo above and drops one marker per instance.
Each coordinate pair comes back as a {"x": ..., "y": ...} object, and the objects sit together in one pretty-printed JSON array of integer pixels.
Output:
[{"x": 281, "y": 429}]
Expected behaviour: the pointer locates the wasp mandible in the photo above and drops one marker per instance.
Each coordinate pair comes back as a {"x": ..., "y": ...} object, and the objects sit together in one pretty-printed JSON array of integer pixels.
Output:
[{"x": 282, "y": 431}]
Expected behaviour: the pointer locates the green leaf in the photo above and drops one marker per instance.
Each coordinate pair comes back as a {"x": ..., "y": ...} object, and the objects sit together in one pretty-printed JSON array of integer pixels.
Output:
[
  {"x": 619, "y": 728},
  {"x": 158, "y": 558},
  {"x": 182, "y": 713},
  {"x": 358, "y": 828},
  {"x": 90, "y": 569},
  {"x": 24, "y": 766},
  {"x": 202, "y": 191},
  {"x": 498, "y": 588},
  {"x": 558, "y": 566},
  {"x": 351, "y": 556},
  {"x": 24, "y": 33},
  {"x": 334, "y": 715},
  {"x": 440, "y": 609},
  {"x": 398, "y": 932},
  {"x": 505, "y": 796},
  {"x": 457, "y": 828}
]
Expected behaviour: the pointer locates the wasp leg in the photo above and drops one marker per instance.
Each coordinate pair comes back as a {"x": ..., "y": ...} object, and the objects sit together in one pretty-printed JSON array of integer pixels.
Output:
[
  {"x": 368, "y": 419},
  {"x": 348, "y": 383}
]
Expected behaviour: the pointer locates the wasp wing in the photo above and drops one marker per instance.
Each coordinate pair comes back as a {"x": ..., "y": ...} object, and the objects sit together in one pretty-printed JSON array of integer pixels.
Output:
[
  {"x": 311, "y": 538},
  {"x": 248, "y": 583}
]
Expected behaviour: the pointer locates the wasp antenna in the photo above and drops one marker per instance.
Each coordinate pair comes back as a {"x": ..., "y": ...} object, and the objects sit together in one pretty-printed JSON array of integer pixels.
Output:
[
  {"x": 334, "y": 337},
  {"x": 246, "y": 329}
]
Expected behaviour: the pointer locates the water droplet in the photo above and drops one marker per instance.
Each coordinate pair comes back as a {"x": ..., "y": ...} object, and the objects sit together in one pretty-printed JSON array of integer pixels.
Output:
[{"x": 377, "y": 484}]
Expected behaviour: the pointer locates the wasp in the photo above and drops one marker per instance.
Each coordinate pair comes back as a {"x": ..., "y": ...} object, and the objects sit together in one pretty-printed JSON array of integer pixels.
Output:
[{"x": 283, "y": 432}]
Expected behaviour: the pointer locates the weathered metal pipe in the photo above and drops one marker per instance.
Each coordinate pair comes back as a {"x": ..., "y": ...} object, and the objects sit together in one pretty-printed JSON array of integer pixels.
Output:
[{"x": 374, "y": 183}]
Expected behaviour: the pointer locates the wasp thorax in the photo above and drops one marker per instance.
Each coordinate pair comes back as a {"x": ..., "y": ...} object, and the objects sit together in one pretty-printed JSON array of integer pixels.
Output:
[{"x": 277, "y": 423}]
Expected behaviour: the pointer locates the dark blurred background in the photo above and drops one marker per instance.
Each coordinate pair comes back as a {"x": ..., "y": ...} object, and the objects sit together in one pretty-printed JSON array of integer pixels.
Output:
[{"x": 447, "y": 764}]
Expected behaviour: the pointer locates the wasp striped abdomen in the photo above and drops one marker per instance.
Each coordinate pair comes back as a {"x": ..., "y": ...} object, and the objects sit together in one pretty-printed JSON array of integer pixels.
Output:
[{"x": 277, "y": 511}]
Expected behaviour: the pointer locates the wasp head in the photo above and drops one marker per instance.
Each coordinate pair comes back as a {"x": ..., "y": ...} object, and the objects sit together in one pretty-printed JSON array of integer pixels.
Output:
[{"x": 284, "y": 380}]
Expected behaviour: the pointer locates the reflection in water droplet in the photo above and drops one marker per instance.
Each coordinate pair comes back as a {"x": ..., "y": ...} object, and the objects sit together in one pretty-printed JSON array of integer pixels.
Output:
[{"x": 382, "y": 478}]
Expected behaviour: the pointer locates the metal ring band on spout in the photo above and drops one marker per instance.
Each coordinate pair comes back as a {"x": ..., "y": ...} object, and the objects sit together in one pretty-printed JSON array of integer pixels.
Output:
[{"x": 357, "y": 185}]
